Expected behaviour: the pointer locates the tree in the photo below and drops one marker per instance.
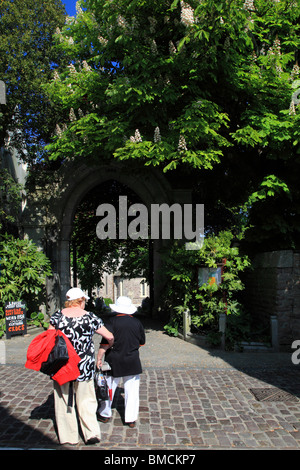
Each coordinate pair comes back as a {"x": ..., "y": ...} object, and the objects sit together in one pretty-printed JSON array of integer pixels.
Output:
[
  {"x": 190, "y": 85},
  {"x": 27, "y": 58},
  {"x": 10, "y": 199}
]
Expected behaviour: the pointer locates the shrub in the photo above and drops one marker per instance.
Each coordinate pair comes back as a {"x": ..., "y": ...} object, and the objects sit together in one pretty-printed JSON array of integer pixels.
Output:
[
  {"x": 205, "y": 301},
  {"x": 23, "y": 272}
]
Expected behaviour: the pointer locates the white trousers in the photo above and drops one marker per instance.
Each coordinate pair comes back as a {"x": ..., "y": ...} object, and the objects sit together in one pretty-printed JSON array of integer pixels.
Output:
[
  {"x": 132, "y": 397},
  {"x": 65, "y": 416}
]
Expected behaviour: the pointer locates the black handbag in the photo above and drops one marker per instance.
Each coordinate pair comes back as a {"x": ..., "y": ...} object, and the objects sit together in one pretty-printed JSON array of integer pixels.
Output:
[{"x": 58, "y": 357}]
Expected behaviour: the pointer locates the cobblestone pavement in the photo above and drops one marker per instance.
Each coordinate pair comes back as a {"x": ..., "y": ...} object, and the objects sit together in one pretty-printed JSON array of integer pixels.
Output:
[{"x": 190, "y": 399}]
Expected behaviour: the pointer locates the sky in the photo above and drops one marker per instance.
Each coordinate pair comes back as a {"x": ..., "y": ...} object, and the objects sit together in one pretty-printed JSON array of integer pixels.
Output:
[{"x": 70, "y": 7}]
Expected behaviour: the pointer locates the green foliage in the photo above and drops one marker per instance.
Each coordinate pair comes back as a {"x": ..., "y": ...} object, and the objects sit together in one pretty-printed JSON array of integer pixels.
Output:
[
  {"x": 208, "y": 300},
  {"x": 27, "y": 57},
  {"x": 23, "y": 272},
  {"x": 187, "y": 86},
  {"x": 10, "y": 200},
  {"x": 133, "y": 78},
  {"x": 38, "y": 319}
]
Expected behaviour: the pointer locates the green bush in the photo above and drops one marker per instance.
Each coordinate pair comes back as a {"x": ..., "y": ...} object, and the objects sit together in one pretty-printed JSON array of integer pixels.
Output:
[
  {"x": 208, "y": 300},
  {"x": 23, "y": 272}
]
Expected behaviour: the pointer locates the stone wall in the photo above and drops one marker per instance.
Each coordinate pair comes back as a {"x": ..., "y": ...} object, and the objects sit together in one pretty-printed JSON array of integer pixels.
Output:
[
  {"x": 115, "y": 286},
  {"x": 273, "y": 288}
]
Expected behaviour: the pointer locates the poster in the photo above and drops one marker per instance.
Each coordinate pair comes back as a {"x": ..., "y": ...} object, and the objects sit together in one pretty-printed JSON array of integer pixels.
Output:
[
  {"x": 211, "y": 275},
  {"x": 15, "y": 318}
]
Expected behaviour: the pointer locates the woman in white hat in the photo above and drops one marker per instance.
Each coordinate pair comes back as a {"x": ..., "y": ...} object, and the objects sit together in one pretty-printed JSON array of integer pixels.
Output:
[
  {"x": 79, "y": 326},
  {"x": 123, "y": 358}
]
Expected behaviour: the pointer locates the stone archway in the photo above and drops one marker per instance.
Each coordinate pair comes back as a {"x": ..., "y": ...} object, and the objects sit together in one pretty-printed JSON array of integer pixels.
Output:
[{"x": 52, "y": 228}]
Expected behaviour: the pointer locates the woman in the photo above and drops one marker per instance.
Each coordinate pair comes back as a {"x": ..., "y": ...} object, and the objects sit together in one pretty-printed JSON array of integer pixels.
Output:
[
  {"x": 123, "y": 359},
  {"x": 79, "y": 326}
]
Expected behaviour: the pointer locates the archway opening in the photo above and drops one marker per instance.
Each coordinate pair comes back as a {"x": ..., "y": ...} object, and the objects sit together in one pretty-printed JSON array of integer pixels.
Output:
[{"x": 115, "y": 265}]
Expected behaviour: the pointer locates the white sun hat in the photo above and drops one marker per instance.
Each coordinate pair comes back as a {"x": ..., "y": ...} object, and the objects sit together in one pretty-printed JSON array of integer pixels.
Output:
[
  {"x": 123, "y": 305},
  {"x": 76, "y": 293}
]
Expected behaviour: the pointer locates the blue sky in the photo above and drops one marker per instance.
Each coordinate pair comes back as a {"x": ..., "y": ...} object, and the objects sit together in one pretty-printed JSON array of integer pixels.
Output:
[{"x": 70, "y": 7}]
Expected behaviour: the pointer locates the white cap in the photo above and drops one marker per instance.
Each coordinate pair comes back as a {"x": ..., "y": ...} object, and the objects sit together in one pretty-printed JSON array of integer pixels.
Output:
[{"x": 76, "y": 293}]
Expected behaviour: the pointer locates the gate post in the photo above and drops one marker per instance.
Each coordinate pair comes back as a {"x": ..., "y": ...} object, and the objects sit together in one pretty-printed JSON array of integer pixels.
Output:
[
  {"x": 222, "y": 328},
  {"x": 186, "y": 323}
]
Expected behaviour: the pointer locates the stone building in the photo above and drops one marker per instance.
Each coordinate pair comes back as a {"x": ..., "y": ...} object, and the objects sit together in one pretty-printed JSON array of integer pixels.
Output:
[{"x": 114, "y": 285}]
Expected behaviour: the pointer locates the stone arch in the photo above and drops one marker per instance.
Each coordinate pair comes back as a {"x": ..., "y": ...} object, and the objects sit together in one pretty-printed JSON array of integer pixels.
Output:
[
  {"x": 73, "y": 183},
  {"x": 148, "y": 184}
]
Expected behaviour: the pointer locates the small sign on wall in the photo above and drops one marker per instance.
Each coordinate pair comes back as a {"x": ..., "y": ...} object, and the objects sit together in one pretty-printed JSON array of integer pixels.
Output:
[
  {"x": 15, "y": 318},
  {"x": 211, "y": 275}
]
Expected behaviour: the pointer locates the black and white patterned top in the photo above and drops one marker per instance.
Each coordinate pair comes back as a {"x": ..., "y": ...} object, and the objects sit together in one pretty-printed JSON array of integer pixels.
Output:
[{"x": 80, "y": 331}]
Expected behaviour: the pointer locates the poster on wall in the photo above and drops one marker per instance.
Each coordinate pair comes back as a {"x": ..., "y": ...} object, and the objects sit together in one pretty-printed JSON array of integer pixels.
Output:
[
  {"x": 15, "y": 318},
  {"x": 211, "y": 275}
]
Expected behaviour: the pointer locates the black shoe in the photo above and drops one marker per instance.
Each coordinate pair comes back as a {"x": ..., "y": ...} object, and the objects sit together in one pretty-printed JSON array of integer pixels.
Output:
[
  {"x": 92, "y": 440},
  {"x": 102, "y": 419},
  {"x": 131, "y": 425}
]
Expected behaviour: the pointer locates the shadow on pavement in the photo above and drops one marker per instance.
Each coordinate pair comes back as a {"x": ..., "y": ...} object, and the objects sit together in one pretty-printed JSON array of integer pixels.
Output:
[
  {"x": 18, "y": 435},
  {"x": 275, "y": 369}
]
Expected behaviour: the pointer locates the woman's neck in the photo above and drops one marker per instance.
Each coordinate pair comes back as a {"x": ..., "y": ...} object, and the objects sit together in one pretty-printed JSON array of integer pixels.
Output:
[{"x": 73, "y": 312}]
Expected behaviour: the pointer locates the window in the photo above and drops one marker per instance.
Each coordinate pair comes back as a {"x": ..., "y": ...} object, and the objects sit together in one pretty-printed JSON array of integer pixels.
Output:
[{"x": 143, "y": 288}]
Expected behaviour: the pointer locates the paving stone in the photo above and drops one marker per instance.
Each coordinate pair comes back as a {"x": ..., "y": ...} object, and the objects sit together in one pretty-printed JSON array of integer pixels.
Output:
[{"x": 191, "y": 400}]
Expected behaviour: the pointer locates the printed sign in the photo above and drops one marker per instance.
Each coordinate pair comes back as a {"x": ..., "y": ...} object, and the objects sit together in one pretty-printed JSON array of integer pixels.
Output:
[
  {"x": 15, "y": 318},
  {"x": 211, "y": 275}
]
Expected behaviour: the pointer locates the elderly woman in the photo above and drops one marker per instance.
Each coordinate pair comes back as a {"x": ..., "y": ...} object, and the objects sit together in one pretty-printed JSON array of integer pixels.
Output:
[
  {"x": 123, "y": 358},
  {"x": 79, "y": 326}
]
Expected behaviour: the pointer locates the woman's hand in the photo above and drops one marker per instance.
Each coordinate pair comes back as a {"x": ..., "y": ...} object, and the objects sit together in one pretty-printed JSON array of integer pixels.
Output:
[{"x": 101, "y": 352}]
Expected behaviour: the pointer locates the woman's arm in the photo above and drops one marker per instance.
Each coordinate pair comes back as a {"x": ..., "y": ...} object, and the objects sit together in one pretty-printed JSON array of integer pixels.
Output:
[
  {"x": 105, "y": 333},
  {"x": 109, "y": 337},
  {"x": 102, "y": 350}
]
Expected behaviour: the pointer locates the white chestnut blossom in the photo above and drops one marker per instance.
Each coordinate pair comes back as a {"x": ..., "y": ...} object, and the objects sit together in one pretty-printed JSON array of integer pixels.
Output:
[
  {"x": 56, "y": 75},
  {"x": 72, "y": 115},
  {"x": 154, "y": 47},
  {"x": 86, "y": 67},
  {"x": 122, "y": 22},
  {"x": 157, "y": 136},
  {"x": 295, "y": 71},
  {"x": 102, "y": 40},
  {"x": 136, "y": 138},
  {"x": 79, "y": 10},
  {"x": 172, "y": 48},
  {"x": 71, "y": 68},
  {"x": 58, "y": 130},
  {"x": 69, "y": 19},
  {"x": 187, "y": 14},
  {"x": 249, "y": 5},
  {"x": 276, "y": 45},
  {"x": 292, "y": 110},
  {"x": 182, "y": 144}
]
